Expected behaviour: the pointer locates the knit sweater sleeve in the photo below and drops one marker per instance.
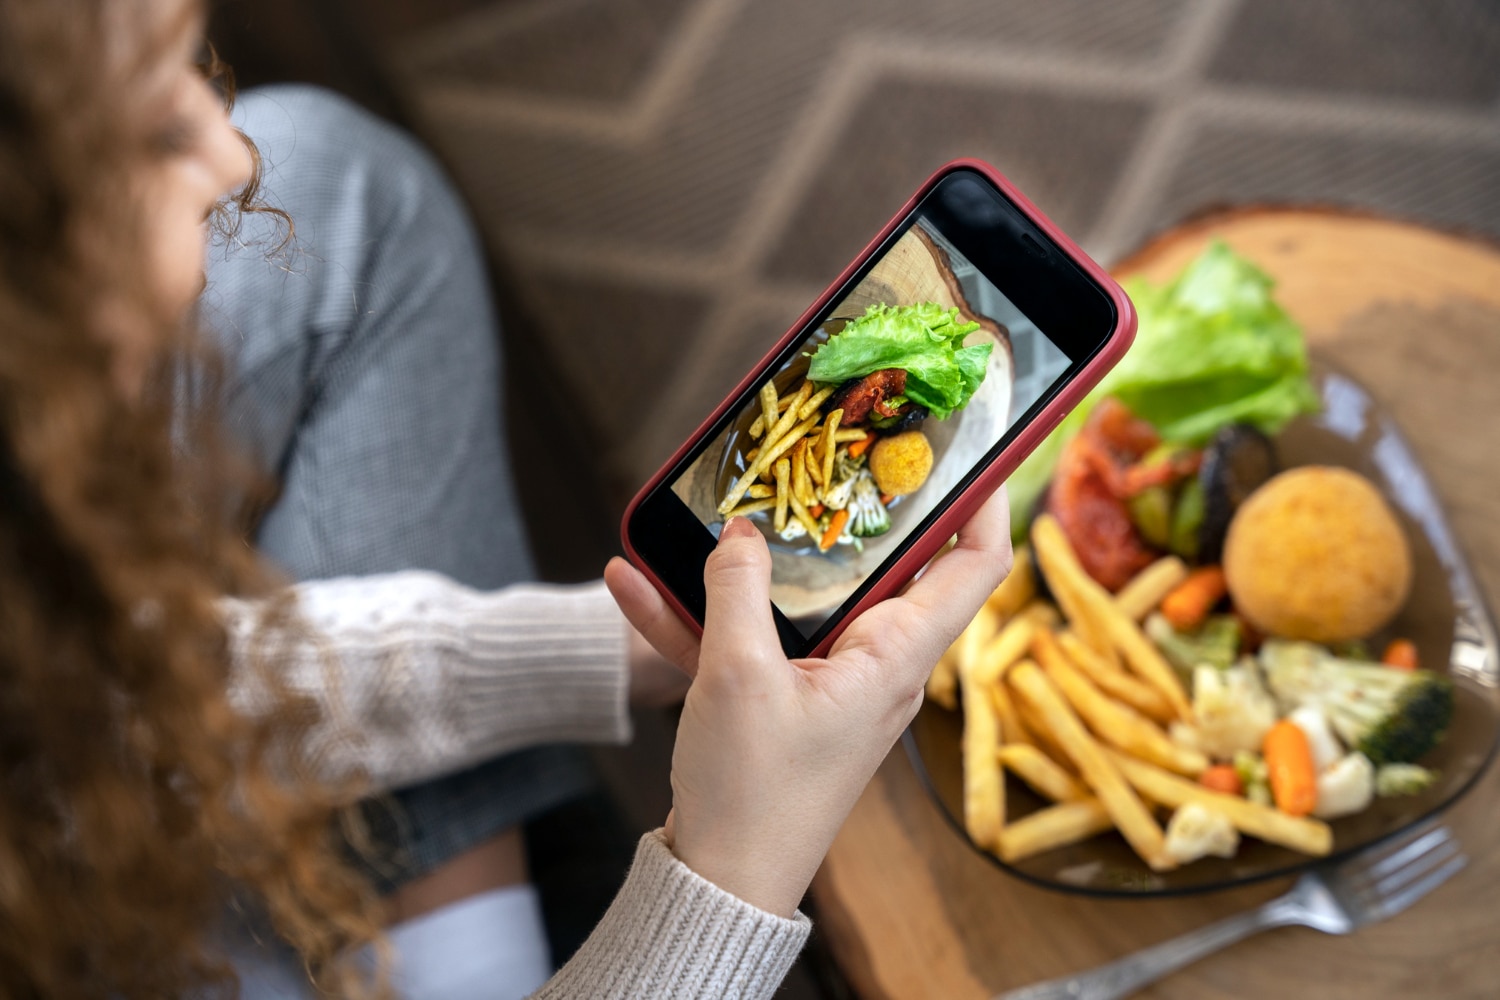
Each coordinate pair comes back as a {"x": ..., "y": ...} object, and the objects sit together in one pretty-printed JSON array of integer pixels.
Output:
[
  {"x": 673, "y": 935},
  {"x": 415, "y": 675}
]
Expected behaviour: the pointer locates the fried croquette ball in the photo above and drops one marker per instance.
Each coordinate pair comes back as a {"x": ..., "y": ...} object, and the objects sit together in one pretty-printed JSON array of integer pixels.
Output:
[
  {"x": 900, "y": 463},
  {"x": 1316, "y": 554}
]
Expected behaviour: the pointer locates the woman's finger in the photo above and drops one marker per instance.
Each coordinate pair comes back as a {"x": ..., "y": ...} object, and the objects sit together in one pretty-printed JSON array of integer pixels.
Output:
[
  {"x": 651, "y": 616},
  {"x": 738, "y": 627}
]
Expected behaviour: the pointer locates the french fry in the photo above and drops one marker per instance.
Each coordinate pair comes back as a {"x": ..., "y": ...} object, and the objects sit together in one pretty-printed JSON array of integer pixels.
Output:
[
  {"x": 807, "y": 520},
  {"x": 788, "y": 418},
  {"x": 1099, "y": 770},
  {"x": 1056, "y": 826},
  {"x": 752, "y": 507},
  {"x": 942, "y": 683},
  {"x": 1064, "y": 577},
  {"x": 1034, "y": 724},
  {"x": 971, "y": 641},
  {"x": 1150, "y": 586},
  {"x": 803, "y": 485},
  {"x": 1117, "y": 683},
  {"x": 1118, "y": 628},
  {"x": 1010, "y": 719},
  {"x": 1041, "y": 772},
  {"x": 768, "y": 410},
  {"x": 984, "y": 784},
  {"x": 1017, "y": 589},
  {"x": 760, "y": 491},
  {"x": 813, "y": 471},
  {"x": 800, "y": 488},
  {"x": 783, "y": 491},
  {"x": 1041, "y": 612},
  {"x": 1115, "y": 723},
  {"x": 1004, "y": 649},
  {"x": 759, "y": 426},
  {"x": 846, "y": 437},
  {"x": 773, "y": 448},
  {"x": 830, "y": 427},
  {"x": 1308, "y": 836},
  {"x": 810, "y": 406}
]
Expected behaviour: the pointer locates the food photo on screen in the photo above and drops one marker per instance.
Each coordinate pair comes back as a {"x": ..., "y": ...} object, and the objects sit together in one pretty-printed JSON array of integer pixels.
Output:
[{"x": 915, "y": 375}]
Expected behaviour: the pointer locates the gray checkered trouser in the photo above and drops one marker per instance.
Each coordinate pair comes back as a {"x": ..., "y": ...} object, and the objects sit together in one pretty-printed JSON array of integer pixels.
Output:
[{"x": 365, "y": 376}]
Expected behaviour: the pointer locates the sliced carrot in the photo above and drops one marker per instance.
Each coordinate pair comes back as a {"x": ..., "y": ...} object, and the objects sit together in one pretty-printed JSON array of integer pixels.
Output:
[
  {"x": 1401, "y": 654},
  {"x": 857, "y": 448},
  {"x": 1289, "y": 764},
  {"x": 886, "y": 498},
  {"x": 835, "y": 529},
  {"x": 816, "y": 510},
  {"x": 1222, "y": 778},
  {"x": 1188, "y": 605}
]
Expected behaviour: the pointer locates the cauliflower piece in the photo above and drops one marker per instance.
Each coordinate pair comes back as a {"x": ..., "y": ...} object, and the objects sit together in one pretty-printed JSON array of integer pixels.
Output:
[
  {"x": 1184, "y": 735},
  {"x": 1326, "y": 749},
  {"x": 1196, "y": 831},
  {"x": 1346, "y": 787},
  {"x": 1232, "y": 708}
]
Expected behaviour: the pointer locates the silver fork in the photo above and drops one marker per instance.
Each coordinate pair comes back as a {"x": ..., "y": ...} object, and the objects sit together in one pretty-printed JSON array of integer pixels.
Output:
[{"x": 1335, "y": 899}]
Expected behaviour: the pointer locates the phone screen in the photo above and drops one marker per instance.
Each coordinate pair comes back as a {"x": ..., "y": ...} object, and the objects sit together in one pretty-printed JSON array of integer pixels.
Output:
[
  {"x": 911, "y": 378},
  {"x": 914, "y": 375}
]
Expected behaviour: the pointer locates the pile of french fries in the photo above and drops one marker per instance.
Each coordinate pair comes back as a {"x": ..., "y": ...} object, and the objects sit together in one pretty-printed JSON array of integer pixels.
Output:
[
  {"x": 791, "y": 467},
  {"x": 1077, "y": 703}
]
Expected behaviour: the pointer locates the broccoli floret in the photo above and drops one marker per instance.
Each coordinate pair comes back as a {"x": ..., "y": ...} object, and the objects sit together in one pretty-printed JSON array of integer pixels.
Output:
[
  {"x": 1388, "y": 715},
  {"x": 1403, "y": 779},
  {"x": 1254, "y": 778},
  {"x": 1216, "y": 642}
]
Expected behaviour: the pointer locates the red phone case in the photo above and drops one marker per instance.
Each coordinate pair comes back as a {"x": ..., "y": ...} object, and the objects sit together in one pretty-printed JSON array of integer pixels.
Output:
[{"x": 924, "y": 547}]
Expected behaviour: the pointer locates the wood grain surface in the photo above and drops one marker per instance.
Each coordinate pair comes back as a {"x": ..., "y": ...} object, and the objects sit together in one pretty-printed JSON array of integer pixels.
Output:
[{"x": 907, "y": 908}]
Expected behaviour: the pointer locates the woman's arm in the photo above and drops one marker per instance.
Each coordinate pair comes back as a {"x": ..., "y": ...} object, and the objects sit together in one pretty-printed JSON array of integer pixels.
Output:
[
  {"x": 671, "y": 934},
  {"x": 416, "y": 675}
]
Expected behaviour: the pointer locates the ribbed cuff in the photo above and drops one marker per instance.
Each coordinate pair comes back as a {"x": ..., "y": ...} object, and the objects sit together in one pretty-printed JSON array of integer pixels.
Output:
[
  {"x": 671, "y": 933},
  {"x": 547, "y": 664}
]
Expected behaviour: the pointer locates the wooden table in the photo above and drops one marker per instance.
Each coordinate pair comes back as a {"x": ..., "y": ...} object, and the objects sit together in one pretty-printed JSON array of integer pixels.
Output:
[{"x": 909, "y": 911}]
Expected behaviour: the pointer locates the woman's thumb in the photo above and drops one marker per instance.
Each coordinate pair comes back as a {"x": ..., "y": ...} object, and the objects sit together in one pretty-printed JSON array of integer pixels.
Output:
[{"x": 737, "y": 577}]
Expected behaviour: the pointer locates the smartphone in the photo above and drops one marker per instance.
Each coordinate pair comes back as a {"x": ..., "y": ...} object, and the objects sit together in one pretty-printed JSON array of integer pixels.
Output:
[{"x": 897, "y": 403}]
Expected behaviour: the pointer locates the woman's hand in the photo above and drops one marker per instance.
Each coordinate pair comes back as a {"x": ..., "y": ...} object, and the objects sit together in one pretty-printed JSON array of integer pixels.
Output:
[
  {"x": 655, "y": 681},
  {"x": 772, "y": 753}
]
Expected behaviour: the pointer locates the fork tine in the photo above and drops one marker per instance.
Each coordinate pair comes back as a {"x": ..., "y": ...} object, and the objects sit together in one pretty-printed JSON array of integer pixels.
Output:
[
  {"x": 1397, "y": 854},
  {"x": 1417, "y": 867},
  {"x": 1412, "y": 893}
]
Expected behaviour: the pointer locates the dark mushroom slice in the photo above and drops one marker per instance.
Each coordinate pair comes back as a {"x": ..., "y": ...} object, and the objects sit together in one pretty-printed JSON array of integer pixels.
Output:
[
  {"x": 908, "y": 417},
  {"x": 1235, "y": 463}
]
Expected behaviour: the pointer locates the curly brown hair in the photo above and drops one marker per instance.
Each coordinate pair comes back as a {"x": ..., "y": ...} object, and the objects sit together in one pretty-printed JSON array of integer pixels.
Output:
[{"x": 134, "y": 800}]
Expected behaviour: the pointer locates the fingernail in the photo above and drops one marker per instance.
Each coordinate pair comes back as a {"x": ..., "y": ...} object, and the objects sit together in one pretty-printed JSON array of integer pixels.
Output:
[{"x": 737, "y": 527}]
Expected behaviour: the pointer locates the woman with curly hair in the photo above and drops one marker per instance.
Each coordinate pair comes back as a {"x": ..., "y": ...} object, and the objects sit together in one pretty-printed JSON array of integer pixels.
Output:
[{"x": 177, "y": 735}]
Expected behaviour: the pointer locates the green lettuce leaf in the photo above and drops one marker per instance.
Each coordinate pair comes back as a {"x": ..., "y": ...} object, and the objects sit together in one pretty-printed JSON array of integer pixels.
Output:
[
  {"x": 1213, "y": 348},
  {"x": 925, "y": 340}
]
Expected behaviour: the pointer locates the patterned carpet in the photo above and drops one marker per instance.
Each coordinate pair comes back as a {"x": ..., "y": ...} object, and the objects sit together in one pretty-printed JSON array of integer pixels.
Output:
[{"x": 671, "y": 181}]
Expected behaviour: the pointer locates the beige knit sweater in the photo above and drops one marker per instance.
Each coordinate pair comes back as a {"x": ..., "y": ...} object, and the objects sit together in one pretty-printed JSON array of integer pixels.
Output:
[{"x": 419, "y": 676}]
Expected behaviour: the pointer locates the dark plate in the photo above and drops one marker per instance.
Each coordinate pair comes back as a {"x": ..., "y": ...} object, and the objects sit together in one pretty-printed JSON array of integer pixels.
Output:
[{"x": 1445, "y": 616}]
